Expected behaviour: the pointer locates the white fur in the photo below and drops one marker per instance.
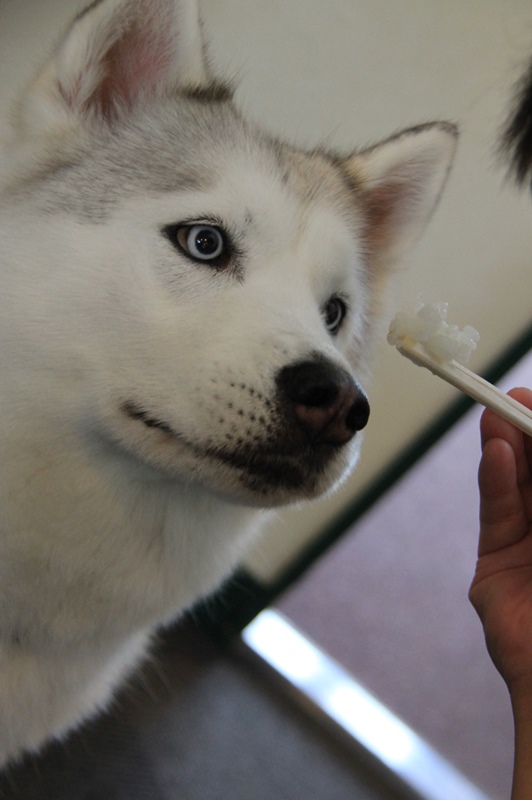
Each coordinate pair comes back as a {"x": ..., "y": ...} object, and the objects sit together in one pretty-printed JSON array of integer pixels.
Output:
[{"x": 111, "y": 527}]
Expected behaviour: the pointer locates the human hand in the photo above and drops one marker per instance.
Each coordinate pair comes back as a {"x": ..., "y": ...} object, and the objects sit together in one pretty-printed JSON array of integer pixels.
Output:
[{"x": 501, "y": 591}]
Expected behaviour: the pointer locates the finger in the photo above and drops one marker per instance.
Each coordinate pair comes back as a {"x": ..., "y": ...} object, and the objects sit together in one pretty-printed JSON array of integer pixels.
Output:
[
  {"x": 503, "y": 516},
  {"x": 524, "y": 396},
  {"x": 492, "y": 426}
]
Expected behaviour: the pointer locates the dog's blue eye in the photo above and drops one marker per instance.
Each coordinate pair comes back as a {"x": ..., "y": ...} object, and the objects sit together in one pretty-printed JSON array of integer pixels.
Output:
[
  {"x": 203, "y": 243},
  {"x": 334, "y": 312}
]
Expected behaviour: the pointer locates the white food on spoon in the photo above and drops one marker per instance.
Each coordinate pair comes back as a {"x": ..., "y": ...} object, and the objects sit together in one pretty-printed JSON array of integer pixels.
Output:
[
  {"x": 427, "y": 324},
  {"x": 424, "y": 336}
]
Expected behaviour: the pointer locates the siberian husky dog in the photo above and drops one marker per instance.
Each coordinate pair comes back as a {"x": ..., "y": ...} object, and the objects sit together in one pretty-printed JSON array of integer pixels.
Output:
[{"x": 187, "y": 310}]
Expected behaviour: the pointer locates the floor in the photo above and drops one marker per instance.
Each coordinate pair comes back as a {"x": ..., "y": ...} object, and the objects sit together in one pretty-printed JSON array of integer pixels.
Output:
[
  {"x": 202, "y": 722},
  {"x": 389, "y": 602}
]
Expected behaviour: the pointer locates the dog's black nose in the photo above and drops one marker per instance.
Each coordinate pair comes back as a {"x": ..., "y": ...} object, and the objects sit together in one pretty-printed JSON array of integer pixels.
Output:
[{"x": 328, "y": 404}]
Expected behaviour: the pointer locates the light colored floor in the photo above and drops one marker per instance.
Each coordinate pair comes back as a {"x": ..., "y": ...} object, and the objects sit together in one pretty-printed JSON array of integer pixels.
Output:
[{"x": 390, "y": 603}]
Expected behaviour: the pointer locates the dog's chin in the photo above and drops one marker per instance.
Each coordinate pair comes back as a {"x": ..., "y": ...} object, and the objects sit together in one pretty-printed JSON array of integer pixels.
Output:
[
  {"x": 260, "y": 480},
  {"x": 248, "y": 475}
]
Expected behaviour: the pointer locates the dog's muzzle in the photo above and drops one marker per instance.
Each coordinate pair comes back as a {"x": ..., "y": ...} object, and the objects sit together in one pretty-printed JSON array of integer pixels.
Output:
[{"x": 328, "y": 406}]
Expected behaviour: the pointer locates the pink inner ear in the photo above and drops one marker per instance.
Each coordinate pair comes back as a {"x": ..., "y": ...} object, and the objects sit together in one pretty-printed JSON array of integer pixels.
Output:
[
  {"x": 387, "y": 208},
  {"x": 381, "y": 208},
  {"x": 139, "y": 62}
]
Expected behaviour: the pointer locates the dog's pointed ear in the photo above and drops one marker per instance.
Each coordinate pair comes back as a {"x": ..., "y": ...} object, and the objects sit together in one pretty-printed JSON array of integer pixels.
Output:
[
  {"x": 400, "y": 182},
  {"x": 117, "y": 53}
]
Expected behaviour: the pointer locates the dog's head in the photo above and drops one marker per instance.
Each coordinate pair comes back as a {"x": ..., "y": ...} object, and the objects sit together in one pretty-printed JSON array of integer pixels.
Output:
[{"x": 205, "y": 293}]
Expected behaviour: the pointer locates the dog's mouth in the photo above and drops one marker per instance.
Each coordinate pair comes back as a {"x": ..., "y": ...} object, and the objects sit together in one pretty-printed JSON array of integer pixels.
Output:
[
  {"x": 262, "y": 469},
  {"x": 265, "y": 473}
]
